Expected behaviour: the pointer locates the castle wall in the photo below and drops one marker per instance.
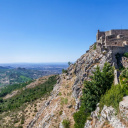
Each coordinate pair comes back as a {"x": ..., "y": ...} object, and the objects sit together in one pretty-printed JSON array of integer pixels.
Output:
[
  {"x": 120, "y": 50},
  {"x": 114, "y": 42},
  {"x": 116, "y": 32},
  {"x": 99, "y": 34},
  {"x": 107, "y": 33},
  {"x": 115, "y": 50}
]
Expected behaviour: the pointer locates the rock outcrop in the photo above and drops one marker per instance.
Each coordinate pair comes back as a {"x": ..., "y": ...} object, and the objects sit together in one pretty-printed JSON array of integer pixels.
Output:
[
  {"x": 65, "y": 98},
  {"x": 108, "y": 117},
  {"x": 76, "y": 74}
]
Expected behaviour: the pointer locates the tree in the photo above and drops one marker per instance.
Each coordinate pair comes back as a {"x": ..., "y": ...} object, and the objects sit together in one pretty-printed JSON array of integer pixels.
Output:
[
  {"x": 64, "y": 71},
  {"x": 92, "y": 92},
  {"x": 66, "y": 123},
  {"x": 69, "y": 63},
  {"x": 101, "y": 81},
  {"x": 1, "y": 100}
]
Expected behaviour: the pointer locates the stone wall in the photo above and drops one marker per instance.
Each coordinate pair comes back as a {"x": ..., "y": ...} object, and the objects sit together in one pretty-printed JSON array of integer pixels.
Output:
[
  {"x": 108, "y": 33},
  {"x": 119, "y": 31},
  {"x": 113, "y": 37},
  {"x": 113, "y": 50},
  {"x": 114, "y": 42},
  {"x": 99, "y": 34}
]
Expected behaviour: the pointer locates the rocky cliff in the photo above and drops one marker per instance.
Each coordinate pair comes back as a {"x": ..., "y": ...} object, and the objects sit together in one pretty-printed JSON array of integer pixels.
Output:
[{"x": 65, "y": 97}]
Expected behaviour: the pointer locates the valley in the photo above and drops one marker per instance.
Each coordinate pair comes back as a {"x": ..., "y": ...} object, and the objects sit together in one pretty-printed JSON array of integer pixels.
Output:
[{"x": 19, "y": 73}]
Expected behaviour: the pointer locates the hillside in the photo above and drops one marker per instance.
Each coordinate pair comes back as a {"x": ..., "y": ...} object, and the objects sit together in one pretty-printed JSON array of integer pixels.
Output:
[
  {"x": 21, "y": 102},
  {"x": 91, "y": 93},
  {"x": 9, "y": 76},
  {"x": 67, "y": 108}
]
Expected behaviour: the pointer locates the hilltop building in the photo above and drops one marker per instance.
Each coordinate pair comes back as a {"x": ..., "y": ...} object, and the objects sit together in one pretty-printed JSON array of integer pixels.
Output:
[
  {"x": 111, "y": 43},
  {"x": 117, "y": 37}
]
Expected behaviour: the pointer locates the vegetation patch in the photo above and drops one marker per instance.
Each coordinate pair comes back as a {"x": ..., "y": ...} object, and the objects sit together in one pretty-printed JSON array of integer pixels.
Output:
[
  {"x": 124, "y": 77},
  {"x": 92, "y": 92},
  {"x": 9, "y": 88},
  {"x": 66, "y": 123},
  {"x": 27, "y": 95},
  {"x": 94, "y": 47},
  {"x": 59, "y": 94},
  {"x": 64, "y": 100},
  {"x": 112, "y": 97},
  {"x": 126, "y": 54},
  {"x": 64, "y": 71}
]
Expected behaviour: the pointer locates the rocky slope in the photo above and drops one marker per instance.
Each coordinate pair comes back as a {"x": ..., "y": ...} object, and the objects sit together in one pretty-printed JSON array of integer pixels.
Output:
[
  {"x": 65, "y": 98},
  {"x": 108, "y": 118}
]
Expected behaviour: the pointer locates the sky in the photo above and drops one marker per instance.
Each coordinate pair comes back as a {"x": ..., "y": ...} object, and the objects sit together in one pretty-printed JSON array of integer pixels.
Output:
[{"x": 44, "y": 31}]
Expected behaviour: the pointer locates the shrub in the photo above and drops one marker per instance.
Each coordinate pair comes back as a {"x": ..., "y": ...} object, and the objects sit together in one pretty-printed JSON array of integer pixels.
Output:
[
  {"x": 60, "y": 112},
  {"x": 92, "y": 92},
  {"x": 20, "y": 126},
  {"x": 94, "y": 47},
  {"x": 35, "y": 110},
  {"x": 59, "y": 94},
  {"x": 126, "y": 54},
  {"x": 112, "y": 97},
  {"x": 80, "y": 118},
  {"x": 16, "y": 121},
  {"x": 1, "y": 100},
  {"x": 64, "y": 101},
  {"x": 22, "y": 119},
  {"x": 124, "y": 77},
  {"x": 28, "y": 95},
  {"x": 64, "y": 71},
  {"x": 66, "y": 123},
  {"x": 124, "y": 73},
  {"x": 69, "y": 63}
]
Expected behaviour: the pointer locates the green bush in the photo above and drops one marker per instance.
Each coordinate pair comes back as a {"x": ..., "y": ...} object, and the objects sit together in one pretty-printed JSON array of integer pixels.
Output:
[
  {"x": 16, "y": 120},
  {"x": 28, "y": 95},
  {"x": 69, "y": 63},
  {"x": 64, "y": 71},
  {"x": 94, "y": 47},
  {"x": 80, "y": 118},
  {"x": 92, "y": 92},
  {"x": 60, "y": 112},
  {"x": 64, "y": 100},
  {"x": 22, "y": 119},
  {"x": 66, "y": 123},
  {"x": 124, "y": 78},
  {"x": 35, "y": 110},
  {"x": 112, "y": 97},
  {"x": 124, "y": 73},
  {"x": 9, "y": 88},
  {"x": 126, "y": 54},
  {"x": 59, "y": 94},
  {"x": 20, "y": 126}
]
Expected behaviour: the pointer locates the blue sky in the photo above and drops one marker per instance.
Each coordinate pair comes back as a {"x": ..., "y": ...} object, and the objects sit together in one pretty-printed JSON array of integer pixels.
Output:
[{"x": 55, "y": 30}]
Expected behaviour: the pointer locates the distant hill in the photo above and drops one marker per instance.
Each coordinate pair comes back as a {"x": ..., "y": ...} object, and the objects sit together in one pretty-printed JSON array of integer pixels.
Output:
[
  {"x": 9, "y": 75},
  {"x": 18, "y": 97},
  {"x": 5, "y": 67}
]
